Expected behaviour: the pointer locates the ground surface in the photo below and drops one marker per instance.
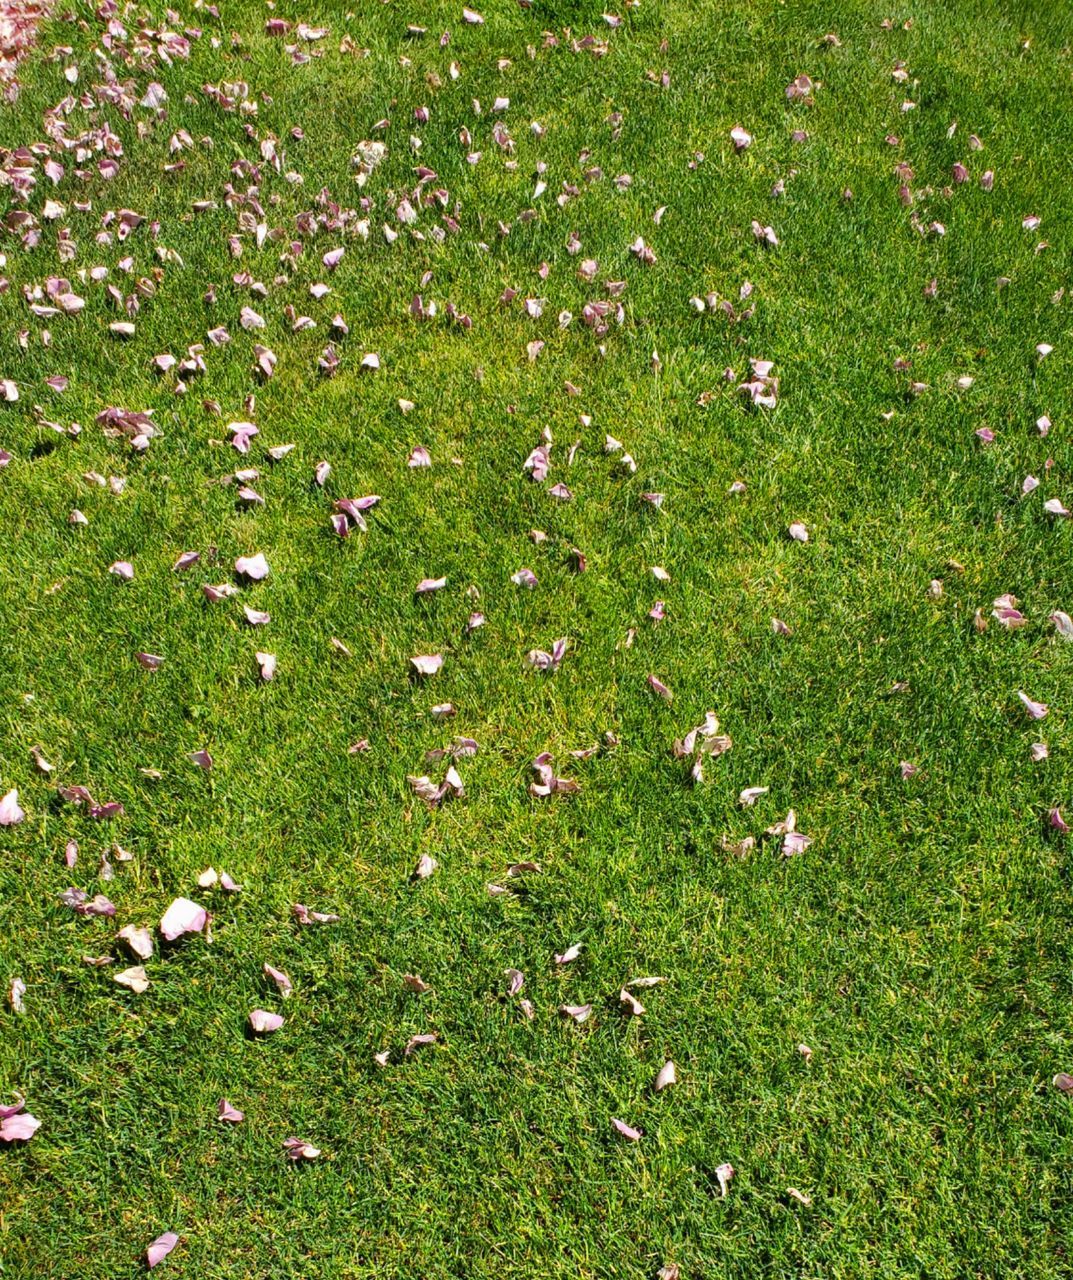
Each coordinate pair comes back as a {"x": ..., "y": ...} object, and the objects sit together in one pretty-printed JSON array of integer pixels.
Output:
[{"x": 918, "y": 946}]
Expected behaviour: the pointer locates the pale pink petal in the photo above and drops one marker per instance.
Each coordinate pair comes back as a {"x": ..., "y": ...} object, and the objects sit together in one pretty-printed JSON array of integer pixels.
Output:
[
  {"x": 1036, "y": 710},
  {"x": 627, "y": 1131},
  {"x": 183, "y": 916},
  {"x": 254, "y": 567},
  {"x": 299, "y": 1149},
  {"x": 19, "y": 1127},
  {"x": 427, "y": 664},
  {"x": 229, "y": 1114},
  {"x": 262, "y": 1022},
  {"x": 11, "y": 812},
  {"x": 665, "y": 1077},
  {"x": 138, "y": 940},
  {"x": 659, "y": 687},
  {"x": 630, "y": 1003},
  {"x": 160, "y": 1248},
  {"x": 793, "y": 842},
  {"x": 426, "y": 866}
]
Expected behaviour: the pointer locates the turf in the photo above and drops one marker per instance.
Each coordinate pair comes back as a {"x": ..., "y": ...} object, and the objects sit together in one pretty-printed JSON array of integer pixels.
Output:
[{"x": 919, "y": 946}]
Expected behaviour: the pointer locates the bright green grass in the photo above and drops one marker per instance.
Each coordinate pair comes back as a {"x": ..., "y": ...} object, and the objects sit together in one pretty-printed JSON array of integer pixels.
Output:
[{"x": 920, "y": 946}]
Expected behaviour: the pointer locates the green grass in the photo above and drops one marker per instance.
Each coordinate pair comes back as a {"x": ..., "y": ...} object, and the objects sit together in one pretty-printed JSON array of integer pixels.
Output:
[{"x": 920, "y": 946}]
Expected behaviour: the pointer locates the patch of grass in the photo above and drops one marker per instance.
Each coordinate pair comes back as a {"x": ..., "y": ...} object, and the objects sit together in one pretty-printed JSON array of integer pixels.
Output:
[{"x": 919, "y": 946}]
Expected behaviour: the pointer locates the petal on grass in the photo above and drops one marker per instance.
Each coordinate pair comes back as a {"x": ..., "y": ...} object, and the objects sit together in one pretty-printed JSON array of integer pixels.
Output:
[
  {"x": 299, "y": 1149},
  {"x": 282, "y": 981},
  {"x": 254, "y": 567},
  {"x": 1036, "y": 710},
  {"x": 665, "y": 1077},
  {"x": 11, "y": 812},
  {"x": 183, "y": 916},
  {"x": 139, "y": 941},
  {"x": 160, "y": 1248},
  {"x": 262, "y": 1022},
  {"x": 136, "y": 979}
]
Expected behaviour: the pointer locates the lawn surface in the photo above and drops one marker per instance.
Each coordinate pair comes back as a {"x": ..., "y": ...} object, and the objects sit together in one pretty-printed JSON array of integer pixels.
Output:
[{"x": 918, "y": 946}]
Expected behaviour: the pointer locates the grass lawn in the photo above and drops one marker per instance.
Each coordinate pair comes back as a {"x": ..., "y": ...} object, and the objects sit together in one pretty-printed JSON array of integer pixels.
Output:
[{"x": 917, "y": 944}]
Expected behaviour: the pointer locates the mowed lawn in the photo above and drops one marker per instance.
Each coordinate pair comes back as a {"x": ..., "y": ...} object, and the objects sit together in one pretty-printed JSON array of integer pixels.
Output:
[{"x": 865, "y": 1029}]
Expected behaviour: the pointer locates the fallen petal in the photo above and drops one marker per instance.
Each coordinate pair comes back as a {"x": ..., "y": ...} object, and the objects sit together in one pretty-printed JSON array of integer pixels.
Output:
[
  {"x": 183, "y": 916},
  {"x": 665, "y": 1077},
  {"x": 262, "y": 1022},
  {"x": 160, "y": 1248}
]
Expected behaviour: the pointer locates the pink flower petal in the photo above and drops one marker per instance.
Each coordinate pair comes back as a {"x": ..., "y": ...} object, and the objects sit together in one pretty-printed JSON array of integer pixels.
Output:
[
  {"x": 19, "y": 1127},
  {"x": 299, "y": 1149},
  {"x": 666, "y": 1077},
  {"x": 263, "y": 1023},
  {"x": 281, "y": 980},
  {"x": 626, "y": 1130},
  {"x": 229, "y": 1114},
  {"x": 11, "y": 813},
  {"x": 659, "y": 687},
  {"x": 160, "y": 1248},
  {"x": 1036, "y": 710},
  {"x": 254, "y": 567},
  {"x": 183, "y": 916}
]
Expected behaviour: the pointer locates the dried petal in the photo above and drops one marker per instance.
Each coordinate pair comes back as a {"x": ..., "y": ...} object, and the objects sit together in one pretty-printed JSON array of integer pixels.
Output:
[{"x": 136, "y": 979}]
